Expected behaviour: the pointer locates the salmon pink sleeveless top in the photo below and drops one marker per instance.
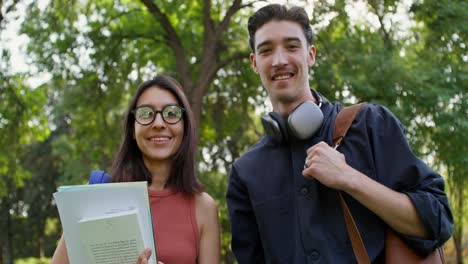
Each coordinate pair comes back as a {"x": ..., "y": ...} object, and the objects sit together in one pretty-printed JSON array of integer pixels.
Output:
[{"x": 175, "y": 227}]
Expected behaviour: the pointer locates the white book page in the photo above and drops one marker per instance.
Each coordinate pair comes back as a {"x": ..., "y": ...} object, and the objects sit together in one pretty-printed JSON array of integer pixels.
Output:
[
  {"x": 113, "y": 238},
  {"x": 89, "y": 201}
]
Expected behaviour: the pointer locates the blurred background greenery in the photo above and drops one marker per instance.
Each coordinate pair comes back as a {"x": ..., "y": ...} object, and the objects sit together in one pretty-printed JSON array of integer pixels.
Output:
[{"x": 61, "y": 106}]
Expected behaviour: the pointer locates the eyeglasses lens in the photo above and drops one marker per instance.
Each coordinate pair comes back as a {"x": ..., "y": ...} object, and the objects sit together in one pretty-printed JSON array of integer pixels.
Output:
[{"x": 171, "y": 114}]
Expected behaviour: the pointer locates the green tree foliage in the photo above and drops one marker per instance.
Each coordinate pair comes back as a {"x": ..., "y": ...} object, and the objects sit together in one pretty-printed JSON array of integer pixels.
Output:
[
  {"x": 36, "y": 195},
  {"x": 97, "y": 53},
  {"x": 445, "y": 77},
  {"x": 359, "y": 60},
  {"x": 22, "y": 121}
]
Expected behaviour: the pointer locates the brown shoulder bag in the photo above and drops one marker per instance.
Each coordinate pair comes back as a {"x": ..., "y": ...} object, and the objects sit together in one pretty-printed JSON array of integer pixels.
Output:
[{"x": 396, "y": 250}]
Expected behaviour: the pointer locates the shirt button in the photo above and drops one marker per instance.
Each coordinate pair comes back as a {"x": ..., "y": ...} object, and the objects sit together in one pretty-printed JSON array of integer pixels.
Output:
[
  {"x": 304, "y": 190},
  {"x": 315, "y": 255}
]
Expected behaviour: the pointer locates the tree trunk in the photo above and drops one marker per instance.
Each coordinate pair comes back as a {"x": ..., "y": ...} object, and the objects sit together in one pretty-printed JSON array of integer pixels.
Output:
[
  {"x": 197, "y": 102},
  {"x": 458, "y": 248},
  {"x": 213, "y": 46},
  {"x": 40, "y": 245},
  {"x": 458, "y": 230},
  {"x": 40, "y": 231},
  {"x": 7, "y": 254}
]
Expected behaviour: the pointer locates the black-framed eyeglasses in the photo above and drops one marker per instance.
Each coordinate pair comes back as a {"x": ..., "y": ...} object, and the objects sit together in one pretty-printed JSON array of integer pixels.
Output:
[{"x": 145, "y": 114}]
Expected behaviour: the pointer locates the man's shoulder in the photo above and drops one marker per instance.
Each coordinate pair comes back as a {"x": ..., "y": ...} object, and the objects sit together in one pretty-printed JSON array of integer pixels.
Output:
[
  {"x": 375, "y": 119},
  {"x": 370, "y": 112},
  {"x": 374, "y": 114}
]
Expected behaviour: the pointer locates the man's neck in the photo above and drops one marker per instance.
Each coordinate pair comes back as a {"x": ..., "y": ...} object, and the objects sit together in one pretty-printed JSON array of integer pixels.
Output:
[{"x": 284, "y": 108}]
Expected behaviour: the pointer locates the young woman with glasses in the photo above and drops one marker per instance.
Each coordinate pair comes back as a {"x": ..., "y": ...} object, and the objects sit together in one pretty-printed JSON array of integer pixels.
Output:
[{"x": 159, "y": 146}]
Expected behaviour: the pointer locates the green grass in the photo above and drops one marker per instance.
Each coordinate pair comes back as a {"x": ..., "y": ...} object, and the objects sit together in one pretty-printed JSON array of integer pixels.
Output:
[{"x": 33, "y": 261}]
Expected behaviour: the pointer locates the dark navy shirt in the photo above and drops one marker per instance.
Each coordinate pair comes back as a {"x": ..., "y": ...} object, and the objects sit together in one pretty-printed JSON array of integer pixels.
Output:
[{"x": 279, "y": 216}]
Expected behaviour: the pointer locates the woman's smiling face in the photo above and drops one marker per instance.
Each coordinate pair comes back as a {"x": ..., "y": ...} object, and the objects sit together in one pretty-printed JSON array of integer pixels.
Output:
[{"x": 158, "y": 141}]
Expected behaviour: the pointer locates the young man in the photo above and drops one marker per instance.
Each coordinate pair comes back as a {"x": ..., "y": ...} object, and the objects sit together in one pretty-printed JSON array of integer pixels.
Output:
[{"x": 282, "y": 194}]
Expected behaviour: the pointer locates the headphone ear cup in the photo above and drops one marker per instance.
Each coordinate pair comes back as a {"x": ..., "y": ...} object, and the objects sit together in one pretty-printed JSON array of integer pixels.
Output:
[
  {"x": 305, "y": 120},
  {"x": 275, "y": 126}
]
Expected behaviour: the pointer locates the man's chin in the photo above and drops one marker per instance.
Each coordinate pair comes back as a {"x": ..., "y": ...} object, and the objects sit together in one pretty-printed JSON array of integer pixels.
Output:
[{"x": 284, "y": 96}]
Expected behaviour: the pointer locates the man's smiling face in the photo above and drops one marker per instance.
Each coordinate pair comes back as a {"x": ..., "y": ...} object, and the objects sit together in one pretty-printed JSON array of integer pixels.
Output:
[{"x": 282, "y": 59}]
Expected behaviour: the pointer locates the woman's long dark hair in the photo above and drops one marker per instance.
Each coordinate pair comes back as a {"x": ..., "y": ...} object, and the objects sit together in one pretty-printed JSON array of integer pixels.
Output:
[{"x": 128, "y": 164}]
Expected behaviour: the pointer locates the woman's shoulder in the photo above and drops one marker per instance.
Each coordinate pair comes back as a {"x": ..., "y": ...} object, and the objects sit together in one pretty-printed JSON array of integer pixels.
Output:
[
  {"x": 205, "y": 203},
  {"x": 206, "y": 210}
]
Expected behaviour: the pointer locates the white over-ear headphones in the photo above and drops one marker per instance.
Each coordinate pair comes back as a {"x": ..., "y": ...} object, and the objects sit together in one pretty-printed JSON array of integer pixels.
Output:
[{"x": 302, "y": 123}]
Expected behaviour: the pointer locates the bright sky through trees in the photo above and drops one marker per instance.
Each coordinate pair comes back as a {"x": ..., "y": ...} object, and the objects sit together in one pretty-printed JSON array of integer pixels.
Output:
[{"x": 357, "y": 10}]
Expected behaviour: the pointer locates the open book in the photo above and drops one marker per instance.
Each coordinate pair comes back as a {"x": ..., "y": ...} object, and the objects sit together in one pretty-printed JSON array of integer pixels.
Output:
[{"x": 106, "y": 223}]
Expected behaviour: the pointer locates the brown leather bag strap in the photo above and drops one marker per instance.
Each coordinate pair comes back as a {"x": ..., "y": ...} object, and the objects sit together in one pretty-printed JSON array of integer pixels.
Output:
[
  {"x": 353, "y": 232},
  {"x": 343, "y": 121}
]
